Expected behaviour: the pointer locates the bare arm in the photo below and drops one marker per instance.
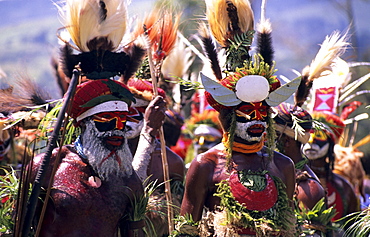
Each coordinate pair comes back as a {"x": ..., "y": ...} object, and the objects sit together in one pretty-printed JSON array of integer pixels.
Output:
[
  {"x": 196, "y": 188},
  {"x": 153, "y": 120}
]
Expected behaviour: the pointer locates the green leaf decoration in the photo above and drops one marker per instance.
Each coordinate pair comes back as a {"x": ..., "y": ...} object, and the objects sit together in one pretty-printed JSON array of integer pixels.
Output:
[
  {"x": 144, "y": 70},
  {"x": 9, "y": 185},
  {"x": 119, "y": 91},
  {"x": 357, "y": 223},
  {"x": 255, "y": 182},
  {"x": 318, "y": 218},
  {"x": 185, "y": 226},
  {"x": 189, "y": 85},
  {"x": 237, "y": 52}
]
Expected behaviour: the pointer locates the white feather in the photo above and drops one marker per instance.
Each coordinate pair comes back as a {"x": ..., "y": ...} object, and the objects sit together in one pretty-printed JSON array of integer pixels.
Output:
[{"x": 332, "y": 47}]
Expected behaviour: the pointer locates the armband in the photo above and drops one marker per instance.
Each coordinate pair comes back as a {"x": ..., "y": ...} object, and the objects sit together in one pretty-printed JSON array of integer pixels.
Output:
[{"x": 141, "y": 160}]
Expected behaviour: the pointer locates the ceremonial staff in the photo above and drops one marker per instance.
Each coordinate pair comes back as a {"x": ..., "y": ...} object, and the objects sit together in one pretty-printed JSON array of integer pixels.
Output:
[{"x": 162, "y": 34}]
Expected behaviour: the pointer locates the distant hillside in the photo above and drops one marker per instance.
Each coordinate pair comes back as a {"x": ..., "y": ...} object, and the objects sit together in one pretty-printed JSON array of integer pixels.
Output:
[{"x": 28, "y": 39}]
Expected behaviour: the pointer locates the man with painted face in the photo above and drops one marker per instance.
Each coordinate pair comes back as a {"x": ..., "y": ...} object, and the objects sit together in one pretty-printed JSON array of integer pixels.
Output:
[
  {"x": 244, "y": 187},
  {"x": 240, "y": 178},
  {"x": 308, "y": 190},
  {"x": 320, "y": 151},
  {"x": 236, "y": 170},
  {"x": 148, "y": 158},
  {"x": 95, "y": 187}
]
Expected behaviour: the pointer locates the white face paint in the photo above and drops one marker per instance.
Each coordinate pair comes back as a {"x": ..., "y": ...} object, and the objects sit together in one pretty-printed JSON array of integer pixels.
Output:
[
  {"x": 251, "y": 131},
  {"x": 101, "y": 158},
  {"x": 133, "y": 129},
  {"x": 314, "y": 151}
]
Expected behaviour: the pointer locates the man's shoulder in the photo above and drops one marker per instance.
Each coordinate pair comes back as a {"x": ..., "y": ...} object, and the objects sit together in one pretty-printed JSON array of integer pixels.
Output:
[
  {"x": 64, "y": 154},
  {"x": 342, "y": 181},
  {"x": 281, "y": 158},
  {"x": 209, "y": 160}
]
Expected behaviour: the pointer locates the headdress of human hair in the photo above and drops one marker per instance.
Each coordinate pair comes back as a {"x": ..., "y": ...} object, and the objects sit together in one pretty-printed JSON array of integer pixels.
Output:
[
  {"x": 331, "y": 49},
  {"x": 97, "y": 28},
  {"x": 231, "y": 24}
]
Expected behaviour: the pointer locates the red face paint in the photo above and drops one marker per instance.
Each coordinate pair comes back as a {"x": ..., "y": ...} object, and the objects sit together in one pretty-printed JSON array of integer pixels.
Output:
[
  {"x": 256, "y": 111},
  {"x": 107, "y": 121}
]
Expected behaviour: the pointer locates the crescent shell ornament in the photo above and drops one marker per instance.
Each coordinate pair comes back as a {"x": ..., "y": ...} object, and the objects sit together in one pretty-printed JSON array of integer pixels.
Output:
[
  {"x": 220, "y": 93},
  {"x": 282, "y": 93}
]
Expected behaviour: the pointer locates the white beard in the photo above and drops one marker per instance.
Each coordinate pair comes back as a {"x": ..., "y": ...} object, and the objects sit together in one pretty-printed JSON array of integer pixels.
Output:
[
  {"x": 241, "y": 131},
  {"x": 133, "y": 129},
  {"x": 314, "y": 151},
  {"x": 118, "y": 164}
]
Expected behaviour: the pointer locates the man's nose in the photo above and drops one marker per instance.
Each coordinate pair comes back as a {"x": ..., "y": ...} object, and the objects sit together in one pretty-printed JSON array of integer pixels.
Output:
[{"x": 120, "y": 124}]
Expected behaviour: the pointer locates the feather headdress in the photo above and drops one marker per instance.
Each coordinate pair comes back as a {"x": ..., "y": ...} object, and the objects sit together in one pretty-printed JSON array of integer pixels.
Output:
[
  {"x": 331, "y": 49},
  {"x": 228, "y": 19},
  {"x": 247, "y": 81},
  {"x": 161, "y": 28},
  {"x": 97, "y": 28},
  {"x": 95, "y": 25},
  {"x": 231, "y": 23}
]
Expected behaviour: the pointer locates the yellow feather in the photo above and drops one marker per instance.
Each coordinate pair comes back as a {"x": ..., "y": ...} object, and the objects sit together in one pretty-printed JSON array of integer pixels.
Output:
[
  {"x": 177, "y": 62},
  {"x": 219, "y": 21},
  {"x": 83, "y": 22},
  {"x": 332, "y": 47}
]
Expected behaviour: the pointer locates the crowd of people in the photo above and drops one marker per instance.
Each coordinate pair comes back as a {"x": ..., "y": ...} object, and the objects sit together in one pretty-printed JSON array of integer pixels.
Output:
[{"x": 232, "y": 159}]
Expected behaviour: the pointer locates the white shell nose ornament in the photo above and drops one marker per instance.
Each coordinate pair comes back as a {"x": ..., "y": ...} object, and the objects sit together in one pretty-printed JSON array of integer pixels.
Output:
[{"x": 252, "y": 88}]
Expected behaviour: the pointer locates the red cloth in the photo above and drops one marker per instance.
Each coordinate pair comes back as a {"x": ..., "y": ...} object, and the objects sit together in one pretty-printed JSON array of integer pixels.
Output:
[
  {"x": 338, "y": 202},
  {"x": 88, "y": 91}
]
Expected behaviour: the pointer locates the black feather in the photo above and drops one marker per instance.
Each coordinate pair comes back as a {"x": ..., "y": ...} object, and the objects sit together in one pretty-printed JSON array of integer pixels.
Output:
[
  {"x": 264, "y": 47},
  {"x": 136, "y": 55},
  {"x": 232, "y": 13},
  {"x": 68, "y": 60},
  {"x": 303, "y": 91},
  {"x": 103, "y": 11},
  {"x": 210, "y": 50}
]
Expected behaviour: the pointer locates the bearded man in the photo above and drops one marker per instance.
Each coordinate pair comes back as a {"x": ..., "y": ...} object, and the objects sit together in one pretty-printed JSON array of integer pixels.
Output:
[
  {"x": 148, "y": 161},
  {"x": 94, "y": 188}
]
